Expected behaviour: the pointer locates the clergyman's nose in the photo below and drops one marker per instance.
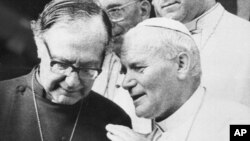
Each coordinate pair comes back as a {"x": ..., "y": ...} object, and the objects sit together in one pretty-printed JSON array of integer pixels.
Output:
[{"x": 73, "y": 80}]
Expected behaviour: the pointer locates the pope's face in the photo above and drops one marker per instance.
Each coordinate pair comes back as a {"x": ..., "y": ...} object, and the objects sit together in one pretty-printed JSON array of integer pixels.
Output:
[
  {"x": 78, "y": 44},
  {"x": 149, "y": 78},
  {"x": 180, "y": 10}
]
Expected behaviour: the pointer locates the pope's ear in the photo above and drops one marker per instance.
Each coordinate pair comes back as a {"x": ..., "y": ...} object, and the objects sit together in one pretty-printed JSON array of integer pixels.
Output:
[
  {"x": 145, "y": 8},
  {"x": 183, "y": 60}
]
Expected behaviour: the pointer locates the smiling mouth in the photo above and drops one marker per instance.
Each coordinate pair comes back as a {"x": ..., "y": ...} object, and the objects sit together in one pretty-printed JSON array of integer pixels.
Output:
[
  {"x": 135, "y": 97},
  {"x": 69, "y": 91}
]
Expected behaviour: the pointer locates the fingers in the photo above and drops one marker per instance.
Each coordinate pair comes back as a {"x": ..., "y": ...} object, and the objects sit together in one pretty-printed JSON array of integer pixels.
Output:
[
  {"x": 118, "y": 130},
  {"x": 123, "y": 133},
  {"x": 113, "y": 137}
]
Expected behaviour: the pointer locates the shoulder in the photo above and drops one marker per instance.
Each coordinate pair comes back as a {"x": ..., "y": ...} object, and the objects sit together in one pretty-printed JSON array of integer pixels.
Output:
[
  {"x": 107, "y": 109},
  {"x": 235, "y": 23},
  {"x": 9, "y": 88},
  {"x": 13, "y": 85},
  {"x": 226, "y": 111},
  {"x": 216, "y": 116},
  {"x": 232, "y": 34}
]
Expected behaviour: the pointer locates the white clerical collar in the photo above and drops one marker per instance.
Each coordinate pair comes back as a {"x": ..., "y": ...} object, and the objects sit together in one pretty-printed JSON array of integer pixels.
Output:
[
  {"x": 213, "y": 15},
  {"x": 186, "y": 112}
]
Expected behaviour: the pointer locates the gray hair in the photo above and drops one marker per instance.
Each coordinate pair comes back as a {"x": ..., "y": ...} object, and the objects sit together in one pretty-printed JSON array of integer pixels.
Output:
[{"x": 67, "y": 11}]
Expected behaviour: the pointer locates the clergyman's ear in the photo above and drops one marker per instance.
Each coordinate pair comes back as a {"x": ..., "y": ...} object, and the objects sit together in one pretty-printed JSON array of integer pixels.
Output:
[
  {"x": 40, "y": 46},
  {"x": 184, "y": 61},
  {"x": 39, "y": 39},
  {"x": 145, "y": 8}
]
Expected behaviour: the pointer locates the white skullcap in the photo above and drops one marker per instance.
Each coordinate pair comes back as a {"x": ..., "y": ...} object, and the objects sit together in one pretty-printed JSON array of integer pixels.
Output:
[{"x": 165, "y": 23}]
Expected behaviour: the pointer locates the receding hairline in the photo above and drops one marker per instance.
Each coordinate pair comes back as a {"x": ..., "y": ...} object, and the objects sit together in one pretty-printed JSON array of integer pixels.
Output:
[{"x": 83, "y": 23}]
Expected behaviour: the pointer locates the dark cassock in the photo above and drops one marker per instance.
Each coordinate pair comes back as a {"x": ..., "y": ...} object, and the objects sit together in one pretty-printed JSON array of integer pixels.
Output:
[{"x": 26, "y": 114}]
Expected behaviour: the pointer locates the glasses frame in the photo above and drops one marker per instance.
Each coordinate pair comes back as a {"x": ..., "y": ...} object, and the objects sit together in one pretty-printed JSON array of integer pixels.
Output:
[
  {"x": 73, "y": 68},
  {"x": 119, "y": 8}
]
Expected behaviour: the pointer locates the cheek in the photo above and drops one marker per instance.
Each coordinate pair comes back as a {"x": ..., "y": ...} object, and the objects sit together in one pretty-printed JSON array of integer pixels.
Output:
[
  {"x": 49, "y": 79},
  {"x": 155, "y": 80},
  {"x": 87, "y": 84},
  {"x": 132, "y": 19},
  {"x": 158, "y": 84},
  {"x": 152, "y": 86},
  {"x": 118, "y": 29}
]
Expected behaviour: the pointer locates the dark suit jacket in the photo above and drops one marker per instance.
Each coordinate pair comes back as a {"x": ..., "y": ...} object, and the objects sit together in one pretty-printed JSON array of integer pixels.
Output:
[{"x": 18, "y": 121}]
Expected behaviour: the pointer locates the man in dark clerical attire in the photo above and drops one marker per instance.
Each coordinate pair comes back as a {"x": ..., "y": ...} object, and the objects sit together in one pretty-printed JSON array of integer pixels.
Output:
[{"x": 54, "y": 101}]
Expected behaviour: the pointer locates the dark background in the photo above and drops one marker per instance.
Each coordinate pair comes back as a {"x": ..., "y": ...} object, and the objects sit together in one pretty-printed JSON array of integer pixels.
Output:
[{"x": 17, "y": 48}]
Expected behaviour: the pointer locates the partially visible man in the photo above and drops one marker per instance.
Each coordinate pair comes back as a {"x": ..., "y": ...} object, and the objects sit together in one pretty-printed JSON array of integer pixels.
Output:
[
  {"x": 162, "y": 74},
  {"x": 55, "y": 101},
  {"x": 123, "y": 14},
  {"x": 243, "y": 9},
  {"x": 223, "y": 40}
]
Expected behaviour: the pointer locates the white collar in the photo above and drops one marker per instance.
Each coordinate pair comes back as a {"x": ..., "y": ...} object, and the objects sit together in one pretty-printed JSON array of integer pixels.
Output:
[{"x": 186, "y": 112}]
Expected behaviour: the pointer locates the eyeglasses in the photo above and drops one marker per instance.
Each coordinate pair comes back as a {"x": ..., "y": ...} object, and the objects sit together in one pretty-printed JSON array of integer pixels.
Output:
[
  {"x": 64, "y": 68},
  {"x": 117, "y": 14}
]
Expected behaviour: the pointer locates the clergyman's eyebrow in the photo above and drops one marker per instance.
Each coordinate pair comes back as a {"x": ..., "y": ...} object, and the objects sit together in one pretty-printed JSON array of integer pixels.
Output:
[{"x": 85, "y": 64}]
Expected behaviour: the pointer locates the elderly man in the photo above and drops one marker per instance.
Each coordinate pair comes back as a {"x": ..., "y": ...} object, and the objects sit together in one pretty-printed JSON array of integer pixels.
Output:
[
  {"x": 223, "y": 40},
  {"x": 55, "y": 101},
  {"x": 162, "y": 73},
  {"x": 123, "y": 14}
]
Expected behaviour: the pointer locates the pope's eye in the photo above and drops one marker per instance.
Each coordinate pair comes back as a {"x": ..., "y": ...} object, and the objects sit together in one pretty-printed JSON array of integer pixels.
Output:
[{"x": 139, "y": 69}]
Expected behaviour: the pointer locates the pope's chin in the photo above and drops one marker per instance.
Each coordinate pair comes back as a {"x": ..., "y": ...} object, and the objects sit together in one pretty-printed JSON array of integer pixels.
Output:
[{"x": 143, "y": 111}]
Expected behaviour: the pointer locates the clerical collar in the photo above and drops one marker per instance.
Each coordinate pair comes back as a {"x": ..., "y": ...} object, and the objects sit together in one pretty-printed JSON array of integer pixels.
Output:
[
  {"x": 184, "y": 114},
  {"x": 213, "y": 14}
]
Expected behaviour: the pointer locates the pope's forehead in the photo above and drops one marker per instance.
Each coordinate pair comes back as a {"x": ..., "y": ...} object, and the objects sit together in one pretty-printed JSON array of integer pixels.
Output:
[
  {"x": 137, "y": 49},
  {"x": 142, "y": 37},
  {"x": 144, "y": 40}
]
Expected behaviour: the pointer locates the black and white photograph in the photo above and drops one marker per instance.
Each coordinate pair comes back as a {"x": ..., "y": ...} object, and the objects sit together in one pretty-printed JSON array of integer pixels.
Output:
[{"x": 124, "y": 70}]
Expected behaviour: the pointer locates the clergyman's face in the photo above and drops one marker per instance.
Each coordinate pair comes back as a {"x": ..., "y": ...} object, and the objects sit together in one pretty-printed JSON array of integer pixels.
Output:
[
  {"x": 78, "y": 44},
  {"x": 149, "y": 78},
  {"x": 131, "y": 17},
  {"x": 180, "y": 10}
]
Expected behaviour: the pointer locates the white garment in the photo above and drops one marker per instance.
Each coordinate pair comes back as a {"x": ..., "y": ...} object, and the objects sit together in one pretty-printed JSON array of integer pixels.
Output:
[
  {"x": 224, "y": 43},
  {"x": 201, "y": 118},
  {"x": 108, "y": 84}
]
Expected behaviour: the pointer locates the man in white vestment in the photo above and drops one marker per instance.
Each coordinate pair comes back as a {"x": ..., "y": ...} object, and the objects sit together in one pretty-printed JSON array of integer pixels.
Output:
[
  {"x": 223, "y": 41},
  {"x": 163, "y": 76}
]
